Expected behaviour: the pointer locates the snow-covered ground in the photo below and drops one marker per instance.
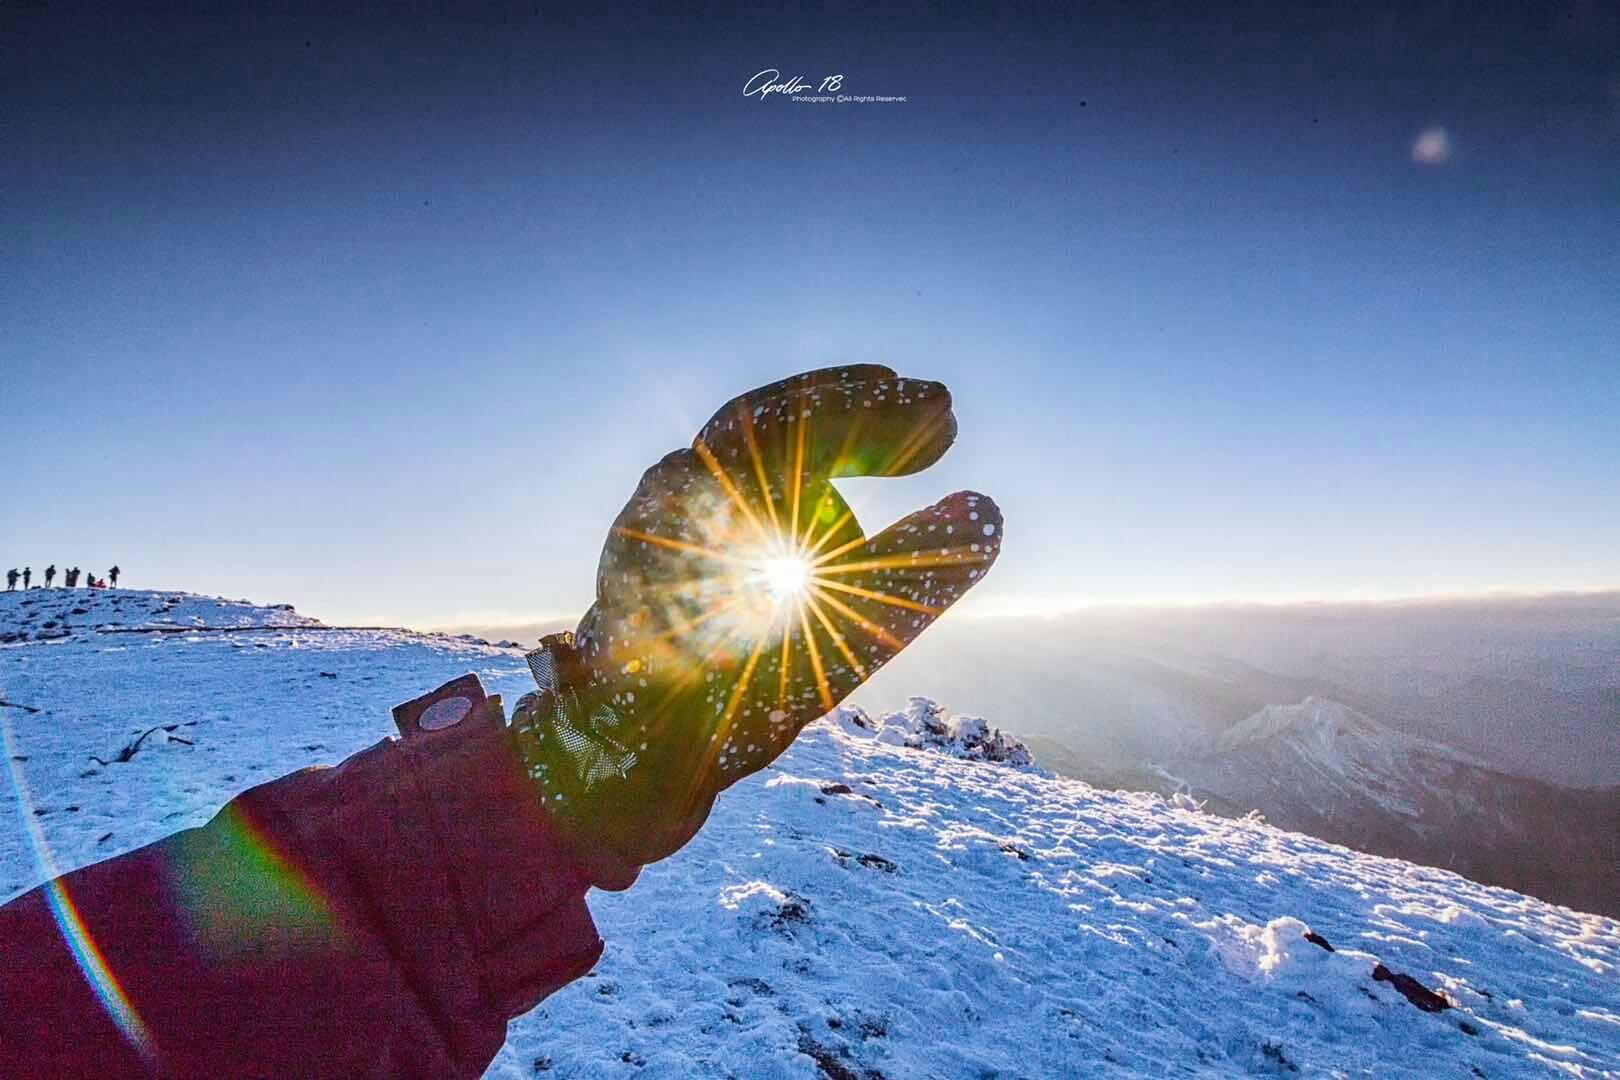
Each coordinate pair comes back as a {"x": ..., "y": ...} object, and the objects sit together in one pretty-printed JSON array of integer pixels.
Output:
[{"x": 886, "y": 901}]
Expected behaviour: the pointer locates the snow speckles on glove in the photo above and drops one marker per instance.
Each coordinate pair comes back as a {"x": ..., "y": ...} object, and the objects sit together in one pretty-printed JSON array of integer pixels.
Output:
[{"x": 738, "y": 599}]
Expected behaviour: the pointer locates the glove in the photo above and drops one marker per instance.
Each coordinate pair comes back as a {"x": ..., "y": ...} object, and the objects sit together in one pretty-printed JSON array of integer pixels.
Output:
[{"x": 737, "y": 599}]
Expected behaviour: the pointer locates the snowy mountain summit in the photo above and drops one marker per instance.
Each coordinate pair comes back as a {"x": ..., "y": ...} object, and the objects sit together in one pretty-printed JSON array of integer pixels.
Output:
[
  {"x": 1336, "y": 736},
  {"x": 899, "y": 896},
  {"x": 53, "y": 614},
  {"x": 1320, "y": 746}
]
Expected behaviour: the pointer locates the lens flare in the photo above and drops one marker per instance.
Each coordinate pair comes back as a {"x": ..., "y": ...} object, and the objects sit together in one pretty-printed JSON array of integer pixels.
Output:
[
  {"x": 1432, "y": 147},
  {"x": 76, "y": 935}
]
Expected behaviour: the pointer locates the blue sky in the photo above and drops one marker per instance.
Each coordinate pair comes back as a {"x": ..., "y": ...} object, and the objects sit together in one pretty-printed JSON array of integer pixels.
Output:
[{"x": 384, "y": 317}]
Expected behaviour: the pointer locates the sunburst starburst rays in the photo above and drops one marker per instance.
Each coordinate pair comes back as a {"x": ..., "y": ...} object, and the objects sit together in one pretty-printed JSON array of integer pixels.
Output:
[
  {"x": 770, "y": 588},
  {"x": 737, "y": 597}
]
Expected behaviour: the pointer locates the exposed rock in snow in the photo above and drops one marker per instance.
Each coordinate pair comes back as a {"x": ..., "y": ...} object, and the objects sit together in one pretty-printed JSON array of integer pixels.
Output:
[{"x": 926, "y": 725}]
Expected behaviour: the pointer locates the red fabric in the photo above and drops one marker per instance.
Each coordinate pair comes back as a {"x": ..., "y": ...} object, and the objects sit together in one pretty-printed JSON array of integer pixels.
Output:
[{"x": 382, "y": 918}]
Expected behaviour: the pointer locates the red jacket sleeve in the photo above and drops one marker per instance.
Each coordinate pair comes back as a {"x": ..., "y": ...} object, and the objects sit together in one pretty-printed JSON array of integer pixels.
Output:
[{"x": 382, "y": 918}]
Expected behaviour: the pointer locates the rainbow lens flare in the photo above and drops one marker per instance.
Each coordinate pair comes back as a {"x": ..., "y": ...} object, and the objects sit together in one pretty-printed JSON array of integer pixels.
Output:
[{"x": 81, "y": 944}]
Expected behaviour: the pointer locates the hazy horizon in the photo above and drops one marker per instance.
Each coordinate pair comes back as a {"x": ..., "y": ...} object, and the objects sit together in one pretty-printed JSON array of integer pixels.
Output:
[
  {"x": 1528, "y": 682},
  {"x": 492, "y": 625}
]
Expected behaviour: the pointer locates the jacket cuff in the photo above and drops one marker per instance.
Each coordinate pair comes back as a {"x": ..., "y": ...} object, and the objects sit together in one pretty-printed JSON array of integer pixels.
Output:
[
  {"x": 450, "y": 860},
  {"x": 515, "y": 888}
]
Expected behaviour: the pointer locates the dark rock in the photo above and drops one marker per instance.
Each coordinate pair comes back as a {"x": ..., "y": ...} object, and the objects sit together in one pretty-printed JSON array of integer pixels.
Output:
[
  {"x": 792, "y": 911},
  {"x": 1273, "y": 1053},
  {"x": 829, "y": 1060},
  {"x": 1411, "y": 989},
  {"x": 1317, "y": 939},
  {"x": 836, "y": 789},
  {"x": 754, "y": 985}
]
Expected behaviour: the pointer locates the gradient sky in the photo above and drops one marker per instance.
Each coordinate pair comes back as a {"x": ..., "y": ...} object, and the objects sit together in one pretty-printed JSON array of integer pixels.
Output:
[{"x": 383, "y": 316}]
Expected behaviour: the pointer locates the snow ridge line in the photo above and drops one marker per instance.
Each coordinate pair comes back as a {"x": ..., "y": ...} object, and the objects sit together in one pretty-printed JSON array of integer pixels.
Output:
[{"x": 251, "y": 629}]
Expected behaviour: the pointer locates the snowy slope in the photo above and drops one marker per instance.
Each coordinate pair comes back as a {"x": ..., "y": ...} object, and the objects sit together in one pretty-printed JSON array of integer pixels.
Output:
[
  {"x": 1323, "y": 768},
  {"x": 946, "y": 915}
]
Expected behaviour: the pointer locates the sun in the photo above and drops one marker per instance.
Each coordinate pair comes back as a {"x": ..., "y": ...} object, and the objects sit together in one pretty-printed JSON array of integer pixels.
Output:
[
  {"x": 786, "y": 578},
  {"x": 772, "y": 585}
]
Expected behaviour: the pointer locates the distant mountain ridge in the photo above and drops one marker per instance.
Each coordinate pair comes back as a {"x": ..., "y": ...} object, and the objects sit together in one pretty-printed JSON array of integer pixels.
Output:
[
  {"x": 1331, "y": 728},
  {"x": 1529, "y": 686},
  {"x": 1323, "y": 768}
]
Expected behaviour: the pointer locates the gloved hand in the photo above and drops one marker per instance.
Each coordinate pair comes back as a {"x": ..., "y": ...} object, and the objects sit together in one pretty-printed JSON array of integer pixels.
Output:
[{"x": 737, "y": 599}]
